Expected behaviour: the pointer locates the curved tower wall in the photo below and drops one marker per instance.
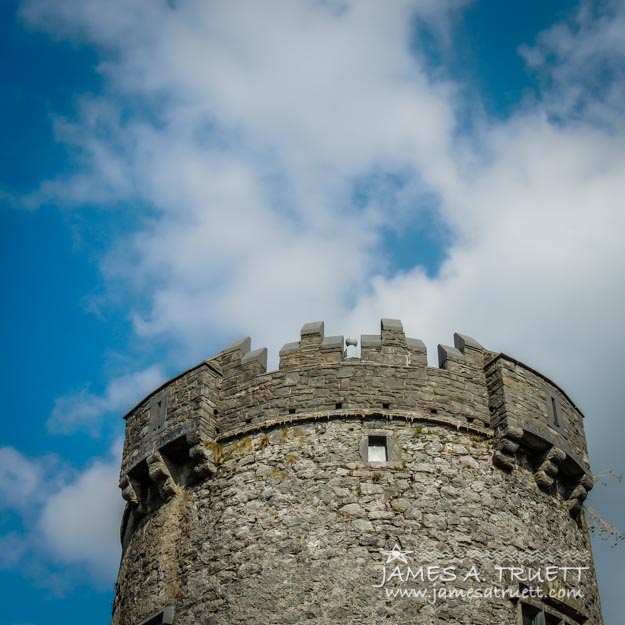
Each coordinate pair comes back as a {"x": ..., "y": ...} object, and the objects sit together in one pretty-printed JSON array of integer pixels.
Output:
[{"x": 312, "y": 493}]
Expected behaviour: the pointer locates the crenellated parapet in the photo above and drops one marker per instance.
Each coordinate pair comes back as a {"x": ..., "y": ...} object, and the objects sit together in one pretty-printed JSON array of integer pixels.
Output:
[
  {"x": 172, "y": 434},
  {"x": 391, "y": 374}
]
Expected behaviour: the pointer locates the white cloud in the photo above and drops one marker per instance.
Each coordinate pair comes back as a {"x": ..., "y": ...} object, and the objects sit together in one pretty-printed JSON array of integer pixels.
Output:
[
  {"x": 84, "y": 410},
  {"x": 20, "y": 478},
  {"x": 262, "y": 133},
  {"x": 540, "y": 230},
  {"x": 79, "y": 524},
  {"x": 68, "y": 517}
]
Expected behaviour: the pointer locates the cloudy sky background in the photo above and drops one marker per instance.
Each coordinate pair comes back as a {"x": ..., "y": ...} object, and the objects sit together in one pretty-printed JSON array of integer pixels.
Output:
[{"x": 176, "y": 175}]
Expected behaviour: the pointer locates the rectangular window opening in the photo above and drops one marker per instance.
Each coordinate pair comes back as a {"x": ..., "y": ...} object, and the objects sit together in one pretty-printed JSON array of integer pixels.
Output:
[
  {"x": 165, "y": 617},
  {"x": 532, "y": 615},
  {"x": 554, "y": 409},
  {"x": 158, "y": 412},
  {"x": 339, "y": 405},
  {"x": 377, "y": 450},
  {"x": 386, "y": 406},
  {"x": 541, "y": 615}
]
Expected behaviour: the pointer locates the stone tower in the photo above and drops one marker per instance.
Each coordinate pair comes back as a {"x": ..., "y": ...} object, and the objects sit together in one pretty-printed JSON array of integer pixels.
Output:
[{"x": 356, "y": 490}]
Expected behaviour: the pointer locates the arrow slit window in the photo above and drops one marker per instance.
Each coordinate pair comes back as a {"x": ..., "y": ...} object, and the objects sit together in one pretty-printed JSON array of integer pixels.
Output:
[{"x": 158, "y": 412}]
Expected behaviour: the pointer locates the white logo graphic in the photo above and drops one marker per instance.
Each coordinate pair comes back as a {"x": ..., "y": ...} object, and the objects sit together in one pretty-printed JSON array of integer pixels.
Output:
[{"x": 397, "y": 554}]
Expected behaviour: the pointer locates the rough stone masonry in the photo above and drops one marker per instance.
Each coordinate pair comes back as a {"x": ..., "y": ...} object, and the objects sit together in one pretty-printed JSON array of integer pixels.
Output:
[{"x": 351, "y": 490}]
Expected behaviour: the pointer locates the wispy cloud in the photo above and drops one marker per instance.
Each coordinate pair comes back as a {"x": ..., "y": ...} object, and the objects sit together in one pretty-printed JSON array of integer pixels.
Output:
[
  {"x": 583, "y": 63},
  {"x": 85, "y": 410},
  {"x": 21, "y": 478}
]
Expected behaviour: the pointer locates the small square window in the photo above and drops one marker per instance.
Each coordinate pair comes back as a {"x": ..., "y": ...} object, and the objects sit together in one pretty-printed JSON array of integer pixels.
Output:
[{"x": 377, "y": 450}]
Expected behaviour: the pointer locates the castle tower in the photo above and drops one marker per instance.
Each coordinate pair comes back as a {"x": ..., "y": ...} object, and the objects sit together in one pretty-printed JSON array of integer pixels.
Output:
[{"x": 356, "y": 490}]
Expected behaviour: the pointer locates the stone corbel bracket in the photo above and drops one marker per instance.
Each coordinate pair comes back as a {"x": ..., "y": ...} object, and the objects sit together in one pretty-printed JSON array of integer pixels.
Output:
[
  {"x": 160, "y": 475},
  {"x": 579, "y": 494},
  {"x": 202, "y": 456},
  {"x": 504, "y": 455},
  {"x": 549, "y": 468},
  {"x": 130, "y": 493}
]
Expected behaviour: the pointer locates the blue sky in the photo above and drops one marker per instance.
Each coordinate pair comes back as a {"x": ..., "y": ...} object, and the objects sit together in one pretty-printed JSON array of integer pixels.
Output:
[{"x": 176, "y": 175}]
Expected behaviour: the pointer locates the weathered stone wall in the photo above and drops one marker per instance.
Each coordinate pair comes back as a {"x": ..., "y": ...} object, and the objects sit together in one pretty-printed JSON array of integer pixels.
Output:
[
  {"x": 252, "y": 499},
  {"x": 291, "y": 527}
]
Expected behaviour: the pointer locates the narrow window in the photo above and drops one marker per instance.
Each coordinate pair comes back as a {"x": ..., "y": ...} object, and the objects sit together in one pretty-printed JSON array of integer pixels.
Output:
[
  {"x": 162, "y": 412},
  {"x": 291, "y": 410},
  {"x": 554, "y": 410},
  {"x": 377, "y": 450},
  {"x": 386, "y": 406},
  {"x": 339, "y": 405},
  {"x": 158, "y": 412}
]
